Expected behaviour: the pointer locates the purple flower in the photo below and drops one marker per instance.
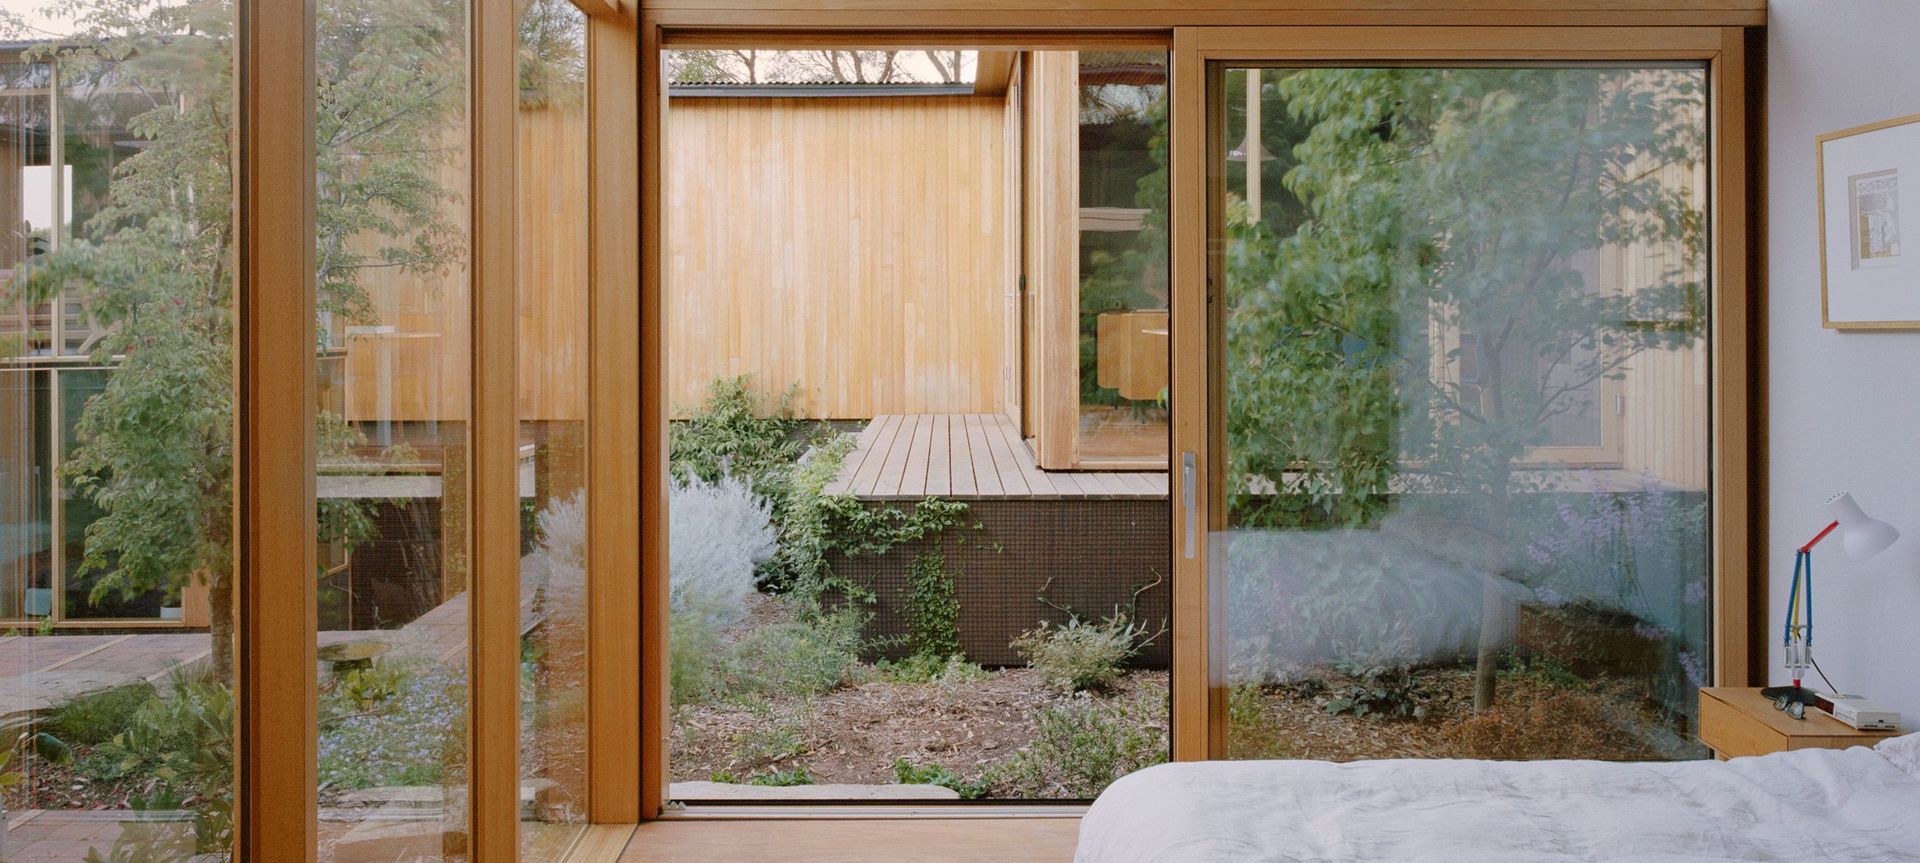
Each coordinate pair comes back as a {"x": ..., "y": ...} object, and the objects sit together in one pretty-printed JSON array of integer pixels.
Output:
[
  {"x": 1691, "y": 665},
  {"x": 1696, "y": 593}
]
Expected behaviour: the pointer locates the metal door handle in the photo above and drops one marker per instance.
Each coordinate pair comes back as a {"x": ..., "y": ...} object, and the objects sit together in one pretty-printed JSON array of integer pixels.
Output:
[{"x": 1187, "y": 498}]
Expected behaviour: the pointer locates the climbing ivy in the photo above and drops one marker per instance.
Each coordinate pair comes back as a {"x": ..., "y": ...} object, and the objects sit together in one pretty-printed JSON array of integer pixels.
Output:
[{"x": 933, "y": 611}]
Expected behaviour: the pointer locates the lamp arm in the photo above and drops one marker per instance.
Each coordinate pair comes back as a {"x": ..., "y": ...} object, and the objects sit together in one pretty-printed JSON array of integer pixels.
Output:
[{"x": 1819, "y": 536}]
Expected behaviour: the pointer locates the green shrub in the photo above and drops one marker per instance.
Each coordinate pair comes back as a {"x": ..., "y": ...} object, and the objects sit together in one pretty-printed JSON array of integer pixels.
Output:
[
  {"x": 818, "y": 524},
  {"x": 733, "y": 433},
  {"x": 365, "y": 687},
  {"x": 923, "y": 668},
  {"x": 1081, "y": 746},
  {"x": 805, "y": 538},
  {"x": 693, "y": 643},
  {"x": 171, "y": 734},
  {"x": 1082, "y": 656},
  {"x": 788, "y": 659},
  {"x": 784, "y": 778},
  {"x": 95, "y": 717},
  {"x": 184, "y": 739},
  {"x": 1384, "y": 693},
  {"x": 908, "y": 773},
  {"x": 793, "y": 659}
]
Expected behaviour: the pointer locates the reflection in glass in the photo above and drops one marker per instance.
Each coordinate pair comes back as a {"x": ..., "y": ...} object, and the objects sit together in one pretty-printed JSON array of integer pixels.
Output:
[
  {"x": 1466, "y": 412},
  {"x": 1123, "y": 257},
  {"x": 552, "y": 253},
  {"x": 394, "y": 356},
  {"x": 116, "y": 472}
]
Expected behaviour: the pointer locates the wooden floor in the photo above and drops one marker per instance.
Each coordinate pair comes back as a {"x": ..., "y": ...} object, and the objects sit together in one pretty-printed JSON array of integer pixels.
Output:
[
  {"x": 951, "y": 840},
  {"x": 970, "y": 456}
]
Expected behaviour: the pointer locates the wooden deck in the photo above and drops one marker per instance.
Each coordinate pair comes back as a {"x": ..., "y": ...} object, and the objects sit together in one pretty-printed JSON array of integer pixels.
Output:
[{"x": 970, "y": 456}]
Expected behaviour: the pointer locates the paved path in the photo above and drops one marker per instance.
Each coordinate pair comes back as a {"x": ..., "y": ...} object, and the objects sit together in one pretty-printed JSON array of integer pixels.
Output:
[{"x": 39, "y": 672}]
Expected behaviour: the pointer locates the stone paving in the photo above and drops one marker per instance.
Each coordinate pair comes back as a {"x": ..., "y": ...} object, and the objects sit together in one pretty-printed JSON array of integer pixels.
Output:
[{"x": 39, "y": 672}]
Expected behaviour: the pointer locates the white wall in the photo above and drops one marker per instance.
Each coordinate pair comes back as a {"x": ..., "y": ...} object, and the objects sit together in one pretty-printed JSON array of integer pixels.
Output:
[{"x": 1845, "y": 406}]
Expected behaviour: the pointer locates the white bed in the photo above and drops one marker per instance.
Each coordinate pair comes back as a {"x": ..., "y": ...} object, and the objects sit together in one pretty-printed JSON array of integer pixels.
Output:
[{"x": 1854, "y": 806}]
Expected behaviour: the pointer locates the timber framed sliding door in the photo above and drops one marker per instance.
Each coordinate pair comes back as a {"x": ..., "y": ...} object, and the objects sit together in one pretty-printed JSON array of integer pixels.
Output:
[
  {"x": 1345, "y": 419},
  {"x": 437, "y": 442}
]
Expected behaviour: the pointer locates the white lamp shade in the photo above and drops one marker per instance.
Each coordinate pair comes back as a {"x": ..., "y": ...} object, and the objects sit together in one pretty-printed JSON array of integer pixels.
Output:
[{"x": 1861, "y": 536}]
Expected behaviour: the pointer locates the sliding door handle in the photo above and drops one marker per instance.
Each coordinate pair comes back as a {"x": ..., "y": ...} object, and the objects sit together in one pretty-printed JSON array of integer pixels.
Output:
[{"x": 1187, "y": 498}]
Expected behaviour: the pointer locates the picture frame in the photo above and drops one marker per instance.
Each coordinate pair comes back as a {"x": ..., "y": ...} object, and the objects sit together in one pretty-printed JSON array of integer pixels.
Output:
[{"x": 1868, "y": 279}]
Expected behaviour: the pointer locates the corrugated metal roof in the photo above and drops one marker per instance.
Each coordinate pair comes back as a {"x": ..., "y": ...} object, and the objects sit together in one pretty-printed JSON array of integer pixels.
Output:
[{"x": 792, "y": 89}]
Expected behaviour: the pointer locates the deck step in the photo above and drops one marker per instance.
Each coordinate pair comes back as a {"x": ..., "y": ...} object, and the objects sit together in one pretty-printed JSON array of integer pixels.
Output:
[{"x": 971, "y": 457}]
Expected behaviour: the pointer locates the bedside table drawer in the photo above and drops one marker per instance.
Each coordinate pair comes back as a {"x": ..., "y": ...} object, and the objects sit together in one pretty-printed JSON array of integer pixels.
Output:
[{"x": 1728, "y": 731}]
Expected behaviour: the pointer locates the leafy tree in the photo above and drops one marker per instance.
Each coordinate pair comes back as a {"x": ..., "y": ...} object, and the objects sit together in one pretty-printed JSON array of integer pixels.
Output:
[
  {"x": 155, "y": 449},
  {"x": 1441, "y": 202}
]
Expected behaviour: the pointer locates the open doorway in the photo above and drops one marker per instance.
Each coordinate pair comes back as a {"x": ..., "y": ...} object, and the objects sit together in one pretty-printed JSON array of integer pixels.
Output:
[{"x": 917, "y": 357}]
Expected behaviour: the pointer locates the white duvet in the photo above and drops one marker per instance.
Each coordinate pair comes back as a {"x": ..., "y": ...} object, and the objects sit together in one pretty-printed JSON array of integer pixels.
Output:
[{"x": 1854, "y": 805}]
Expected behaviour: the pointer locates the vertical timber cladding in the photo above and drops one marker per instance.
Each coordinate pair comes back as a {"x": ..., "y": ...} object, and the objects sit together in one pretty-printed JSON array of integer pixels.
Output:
[{"x": 854, "y": 246}]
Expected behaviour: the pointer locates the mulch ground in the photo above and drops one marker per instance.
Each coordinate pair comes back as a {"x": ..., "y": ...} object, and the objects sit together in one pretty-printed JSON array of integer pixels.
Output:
[
  {"x": 854, "y": 734},
  {"x": 1532, "y": 718}
]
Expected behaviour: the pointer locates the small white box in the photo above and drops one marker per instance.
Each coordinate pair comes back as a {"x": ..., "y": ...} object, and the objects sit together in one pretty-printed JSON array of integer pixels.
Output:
[{"x": 1858, "y": 712}]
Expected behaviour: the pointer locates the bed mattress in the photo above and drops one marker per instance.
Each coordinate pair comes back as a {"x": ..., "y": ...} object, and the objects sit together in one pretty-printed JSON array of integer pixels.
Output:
[{"x": 1851, "y": 805}]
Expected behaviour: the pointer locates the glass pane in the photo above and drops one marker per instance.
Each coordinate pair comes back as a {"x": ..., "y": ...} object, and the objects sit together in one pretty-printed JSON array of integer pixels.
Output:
[
  {"x": 394, "y": 356},
  {"x": 1466, "y": 417},
  {"x": 876, "y": 593},
  {"x": 553, "y": 379},
  {"x": 116, "y": 475},
  {"x": 1123, "y": 256}
]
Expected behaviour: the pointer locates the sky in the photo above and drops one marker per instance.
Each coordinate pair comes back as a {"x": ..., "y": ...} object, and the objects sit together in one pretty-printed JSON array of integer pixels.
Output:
[{"x": 30, "y": 11}]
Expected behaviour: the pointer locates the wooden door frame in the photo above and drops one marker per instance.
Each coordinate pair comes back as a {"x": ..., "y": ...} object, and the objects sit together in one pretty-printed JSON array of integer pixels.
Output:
[
  {"x": 1718, "y": 32},
  {"x": 276, "y": 674},
  {"x": 1737, "y": 474}
]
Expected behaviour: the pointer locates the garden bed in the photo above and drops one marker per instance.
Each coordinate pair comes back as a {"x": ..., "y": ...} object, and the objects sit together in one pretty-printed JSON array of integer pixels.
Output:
[
  {"x": 970, "y": 723},
  {"x": 1541, "y": 712}
]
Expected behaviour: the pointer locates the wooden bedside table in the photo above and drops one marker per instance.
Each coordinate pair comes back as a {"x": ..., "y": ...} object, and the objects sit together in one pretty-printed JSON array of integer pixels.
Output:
[{"x": 1737, "y": 721}]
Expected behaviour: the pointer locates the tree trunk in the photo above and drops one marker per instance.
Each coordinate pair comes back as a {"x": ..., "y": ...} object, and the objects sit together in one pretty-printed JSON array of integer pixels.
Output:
[
  {"x": 1487, "y": 658},
  {"x": 220, "y": 624},
  {"x": 1493, "y": 600}
]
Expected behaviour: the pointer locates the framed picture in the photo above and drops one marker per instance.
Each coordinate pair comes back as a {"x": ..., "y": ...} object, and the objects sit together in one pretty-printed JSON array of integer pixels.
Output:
[{"x": 1868, "y": 279}]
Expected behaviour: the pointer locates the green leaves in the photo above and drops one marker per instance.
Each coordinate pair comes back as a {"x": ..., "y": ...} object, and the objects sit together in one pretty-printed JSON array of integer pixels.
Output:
[
  {"x": 1441, "y": 204},
  {"x": 151, "y": 252}
]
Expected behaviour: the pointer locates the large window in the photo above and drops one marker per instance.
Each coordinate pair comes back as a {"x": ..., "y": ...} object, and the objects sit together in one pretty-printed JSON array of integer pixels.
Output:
[
  {"x": 1465, "y": 368},
  {"x": 394, "y": 337},
  {"x": 552, "y": 287},
  {"x": 1122, "y": 296},
  {"x": 76, "y": 122},
  {"x": 116, "y": 400}
]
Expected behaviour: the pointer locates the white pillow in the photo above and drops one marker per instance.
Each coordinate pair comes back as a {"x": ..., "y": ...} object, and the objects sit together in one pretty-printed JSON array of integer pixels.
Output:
[{"x": 1903, "y": 751}]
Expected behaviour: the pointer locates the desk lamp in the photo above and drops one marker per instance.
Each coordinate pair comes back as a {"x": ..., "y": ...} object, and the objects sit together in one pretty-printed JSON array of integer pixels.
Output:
[{"x": 1861, "y": 537}]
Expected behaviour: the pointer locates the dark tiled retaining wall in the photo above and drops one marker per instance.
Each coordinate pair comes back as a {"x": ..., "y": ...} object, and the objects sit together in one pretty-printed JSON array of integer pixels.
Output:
[{"x": 1096, "y": 553}]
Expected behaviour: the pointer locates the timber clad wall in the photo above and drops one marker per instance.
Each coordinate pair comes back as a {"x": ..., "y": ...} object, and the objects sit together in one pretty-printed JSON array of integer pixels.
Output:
[
  {"x": 856, "y": 246},
  {"x": 864, "y": 247},
  {"x": 411, "y": 364}
]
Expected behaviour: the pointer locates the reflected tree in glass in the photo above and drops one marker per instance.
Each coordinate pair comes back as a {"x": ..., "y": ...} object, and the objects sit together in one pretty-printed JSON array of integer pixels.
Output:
[
  {"x": 151, "y": 254},
  {"x": 1426, "y": 204}
]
